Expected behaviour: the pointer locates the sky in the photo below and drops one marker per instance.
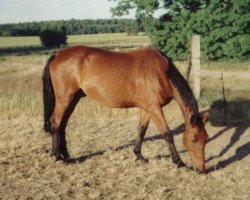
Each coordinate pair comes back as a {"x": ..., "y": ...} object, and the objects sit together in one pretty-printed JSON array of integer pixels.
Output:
[{"x": 14, "y": 11}]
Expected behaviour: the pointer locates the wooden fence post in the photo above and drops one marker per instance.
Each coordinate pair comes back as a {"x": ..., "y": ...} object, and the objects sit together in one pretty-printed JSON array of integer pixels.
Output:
[
  {"x": 196, "y": 65},
  {"x": 188, "y": 70}
]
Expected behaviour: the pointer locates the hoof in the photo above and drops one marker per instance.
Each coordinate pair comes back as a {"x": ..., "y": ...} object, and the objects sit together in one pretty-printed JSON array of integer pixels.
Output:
[
  {"x": 66, "y": 155},
  {"x": 67, "y": 161},
  {"x": 63, "y": 157},
  {"x": 59, "y": 158},
  {"x": 199, "y": 171},
  {"x": 71, "y": 160}
]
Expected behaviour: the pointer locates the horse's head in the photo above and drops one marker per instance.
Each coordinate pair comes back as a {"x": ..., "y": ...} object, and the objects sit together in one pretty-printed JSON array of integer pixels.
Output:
[{"x": 195, "y": 138}]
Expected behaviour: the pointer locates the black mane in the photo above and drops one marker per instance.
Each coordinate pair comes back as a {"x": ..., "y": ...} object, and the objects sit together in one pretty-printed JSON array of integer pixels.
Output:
[{"x": 182, "y": 86}]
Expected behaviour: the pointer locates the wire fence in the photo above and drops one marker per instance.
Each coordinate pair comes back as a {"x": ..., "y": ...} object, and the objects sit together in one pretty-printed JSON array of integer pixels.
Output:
[{"x": 21, "y": 92}]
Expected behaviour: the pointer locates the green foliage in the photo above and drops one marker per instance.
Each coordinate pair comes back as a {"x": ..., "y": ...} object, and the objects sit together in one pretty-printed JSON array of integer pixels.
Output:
[
  {"x": 222, "y": 27},
  {"x": 141, "y": 6},
  {"x": 238, "y": 46},
  {"x": 53, "y": 38},
  {"x": 222, "y": 24},
  {"x": 20, "y": 29},
  {"x": 72, "y": 27},
  {"x": 132, "y": 29},
  {"x": 144, "y": 10}
]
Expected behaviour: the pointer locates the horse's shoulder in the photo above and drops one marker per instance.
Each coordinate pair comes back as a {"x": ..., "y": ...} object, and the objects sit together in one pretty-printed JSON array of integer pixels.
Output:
[
  {"x": 155, "y": 58},
  {"x": 145, "y": 50}
]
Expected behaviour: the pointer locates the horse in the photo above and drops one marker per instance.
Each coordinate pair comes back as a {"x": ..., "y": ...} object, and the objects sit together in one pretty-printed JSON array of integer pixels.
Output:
[{"x": 144, "y": 78}]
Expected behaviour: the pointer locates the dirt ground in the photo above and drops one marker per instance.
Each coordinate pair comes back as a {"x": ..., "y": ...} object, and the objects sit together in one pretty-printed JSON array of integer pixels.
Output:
[{"x": 107, "y": 167}]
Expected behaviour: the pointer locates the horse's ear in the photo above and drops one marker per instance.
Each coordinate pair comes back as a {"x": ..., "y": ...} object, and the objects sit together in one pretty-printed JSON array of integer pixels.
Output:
[{"x": 205, "y": 117}]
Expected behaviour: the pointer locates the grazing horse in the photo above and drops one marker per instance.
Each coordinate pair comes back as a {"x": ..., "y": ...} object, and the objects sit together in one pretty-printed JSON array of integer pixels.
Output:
[{"x": 142, "y": 78}]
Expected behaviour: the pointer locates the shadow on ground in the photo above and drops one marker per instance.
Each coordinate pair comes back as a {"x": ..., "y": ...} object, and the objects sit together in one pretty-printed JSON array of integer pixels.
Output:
[
  {"x": 234, "y": 115},
  {"x": 176, "y": 131},
  {"x": 238, "y": 118},
  {"x": 21, "y": 51}
]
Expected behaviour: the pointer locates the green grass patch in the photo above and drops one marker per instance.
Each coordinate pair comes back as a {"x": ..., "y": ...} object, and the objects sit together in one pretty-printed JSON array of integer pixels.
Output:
[
  {"x": 233, "y": 110},
  {"x": 208, "y": 97},
  {"x": 92, "y": 39},
  {"x": 31, "y": 45},
  {"x": 19, "y": 41},
  {"x": 224, "y": 64},
  {"x": 108, "y": 39}
]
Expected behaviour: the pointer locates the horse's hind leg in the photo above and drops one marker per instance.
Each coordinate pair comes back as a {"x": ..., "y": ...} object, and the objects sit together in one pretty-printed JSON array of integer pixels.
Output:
[
  {"x": 143, "y": 125},
  {"x": 65, "y": 104},
  {"x": 57, "y": 140},
  {"x": 64, "y": 122}
]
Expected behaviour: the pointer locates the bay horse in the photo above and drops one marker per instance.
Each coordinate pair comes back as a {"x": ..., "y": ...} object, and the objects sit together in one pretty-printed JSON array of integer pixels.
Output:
[{"x": 143, "y": 78}]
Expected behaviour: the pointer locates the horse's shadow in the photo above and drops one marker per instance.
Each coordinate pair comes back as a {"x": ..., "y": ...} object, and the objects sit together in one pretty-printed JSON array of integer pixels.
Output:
[
  {"x": 80, "y": 159},
  {"x": 238, "y": 113},
  {"x": 237, "y": 117}
]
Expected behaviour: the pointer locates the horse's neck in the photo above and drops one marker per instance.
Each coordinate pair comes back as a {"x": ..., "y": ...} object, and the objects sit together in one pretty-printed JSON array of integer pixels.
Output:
[
  {"x": 183, "y": 95},
  {"x": 187, "y": 110}
]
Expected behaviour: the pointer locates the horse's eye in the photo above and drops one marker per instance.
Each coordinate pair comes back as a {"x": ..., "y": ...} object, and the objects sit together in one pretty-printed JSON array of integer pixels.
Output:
[{"x": 193, "y": 141}]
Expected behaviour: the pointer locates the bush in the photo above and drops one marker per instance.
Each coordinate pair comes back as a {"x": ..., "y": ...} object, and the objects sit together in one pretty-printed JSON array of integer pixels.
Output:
[
  {"x": 223, "y": 26},
  {"x": 53, "y": 38}
]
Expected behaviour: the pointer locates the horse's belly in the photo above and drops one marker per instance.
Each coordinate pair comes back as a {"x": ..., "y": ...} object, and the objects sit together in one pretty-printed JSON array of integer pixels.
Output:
[{"x": 110, "y": 96}]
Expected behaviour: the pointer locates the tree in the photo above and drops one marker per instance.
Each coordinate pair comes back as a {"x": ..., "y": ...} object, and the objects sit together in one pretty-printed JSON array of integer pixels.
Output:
[
  {"x": 132, "y": 28},
  {"x": 222, "y": 24},
  {"x": 144, "y": 11},
  {"x": 72, "y": 27},
  {"x": 53, "y": 35}
]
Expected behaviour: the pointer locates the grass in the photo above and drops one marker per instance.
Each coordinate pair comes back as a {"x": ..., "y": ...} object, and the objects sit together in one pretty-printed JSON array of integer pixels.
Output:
[
  {"x": 31, "y": 45},
  {"x": 21, "y": 93},
  {"x": 227, "y": 65},
  {"x": 26, "y": 166},
  {"x": 92, "y": 39},
  {"x": 109, "y": 39},
  {"x": 16, "y": 70},
  {"x": 19, "y": 41},
  {"x": 235, "y": 109},
  {"x": 21, "y": 67},
  {"x": 208, "y": 97}
]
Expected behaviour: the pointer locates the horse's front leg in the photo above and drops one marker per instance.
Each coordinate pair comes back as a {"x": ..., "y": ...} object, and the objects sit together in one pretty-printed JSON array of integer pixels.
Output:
[
  {"x": 171, "y": 146},
  {"x": 63, "y": 146},
  {"x": 143, "y": 125},
  {"x": 157, "y": 115}
]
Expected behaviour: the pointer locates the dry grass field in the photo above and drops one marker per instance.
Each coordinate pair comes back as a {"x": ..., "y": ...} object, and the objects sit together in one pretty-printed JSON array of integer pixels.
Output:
[{"x": 103, "y": 138}]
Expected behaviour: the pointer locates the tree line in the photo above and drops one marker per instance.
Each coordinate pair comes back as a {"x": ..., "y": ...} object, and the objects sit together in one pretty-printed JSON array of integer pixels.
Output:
[
  {"x": 222, "y": 24},
  {"x": 72, "y": 27}
]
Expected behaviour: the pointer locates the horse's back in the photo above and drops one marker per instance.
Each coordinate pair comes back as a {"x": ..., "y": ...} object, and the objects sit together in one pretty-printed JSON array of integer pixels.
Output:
[{"x": 115, "y": 79}]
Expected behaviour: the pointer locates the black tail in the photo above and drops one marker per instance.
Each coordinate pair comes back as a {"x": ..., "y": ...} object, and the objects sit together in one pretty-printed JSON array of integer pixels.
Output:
[{"x": 48, "y": 96}]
